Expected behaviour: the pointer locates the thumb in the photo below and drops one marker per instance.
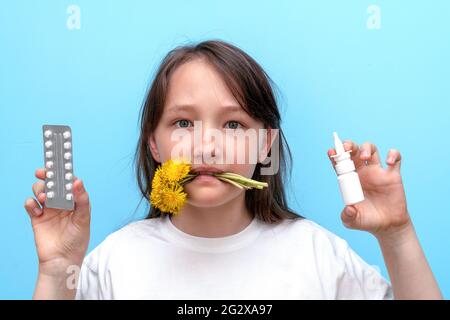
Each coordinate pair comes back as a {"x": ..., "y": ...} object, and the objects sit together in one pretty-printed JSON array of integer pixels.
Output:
[
  {"x": 349, "y": 217},
  {"x": 82, "y": 212}
]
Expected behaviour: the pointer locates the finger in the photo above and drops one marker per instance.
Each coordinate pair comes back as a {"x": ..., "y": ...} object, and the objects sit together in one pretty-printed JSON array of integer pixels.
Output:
[
  {"x": 38, "y": 189},
  {"x": 41, "y": 198},
  {"x": 82, "y": 210},
  {"x": 355, "y": 152},
  {"x": 369, "y": 153},
  {"x": 331, "y": 152},
  {"x": 394, "y": 160},
  {"x": 349, "y": 217},
  {"x": 348, "y": 146},
  {"x": 32, "y": 208},
  {"x": 40, "y": 173}
]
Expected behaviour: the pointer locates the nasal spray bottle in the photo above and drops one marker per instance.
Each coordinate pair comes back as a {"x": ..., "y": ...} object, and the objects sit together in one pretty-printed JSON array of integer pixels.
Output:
[{"x": 348, "y": 178}]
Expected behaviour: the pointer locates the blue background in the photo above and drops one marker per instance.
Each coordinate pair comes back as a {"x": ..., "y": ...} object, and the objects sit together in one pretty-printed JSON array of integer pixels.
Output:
[{"x": 389, "y": 86}]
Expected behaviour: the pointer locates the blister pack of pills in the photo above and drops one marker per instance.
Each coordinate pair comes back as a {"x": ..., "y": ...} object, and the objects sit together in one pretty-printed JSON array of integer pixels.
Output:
[{"x": 59, "y": 166}]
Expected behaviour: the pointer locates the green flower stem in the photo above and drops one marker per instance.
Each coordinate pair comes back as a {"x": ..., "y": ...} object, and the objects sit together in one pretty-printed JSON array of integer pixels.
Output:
[
  {"x": 237, "y": 176},
  {"x": 242, "y": 180},
  {"x": 232, "y": 182},
  {"x": 232, "y": 178},
  {"x": 188, "y": 178}
]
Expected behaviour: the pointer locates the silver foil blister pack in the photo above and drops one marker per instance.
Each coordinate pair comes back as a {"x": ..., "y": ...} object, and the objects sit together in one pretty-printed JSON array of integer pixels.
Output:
[{"x": 58, "y": 159}]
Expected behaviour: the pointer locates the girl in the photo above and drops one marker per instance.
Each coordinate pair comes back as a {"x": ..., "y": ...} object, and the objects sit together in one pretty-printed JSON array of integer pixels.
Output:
[{"x": 227, "y": 243}]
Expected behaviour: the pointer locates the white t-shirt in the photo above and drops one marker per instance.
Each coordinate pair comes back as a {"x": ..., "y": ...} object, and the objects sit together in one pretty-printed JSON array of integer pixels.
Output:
[{"x": 295, "y": 259}]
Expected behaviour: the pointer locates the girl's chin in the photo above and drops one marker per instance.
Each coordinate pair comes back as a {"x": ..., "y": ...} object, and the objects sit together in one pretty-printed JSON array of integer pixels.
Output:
[
  {"x": 208, "y": 192},
  {"x": 205, "y": 202},
  {"x": 206, "y": 197}
]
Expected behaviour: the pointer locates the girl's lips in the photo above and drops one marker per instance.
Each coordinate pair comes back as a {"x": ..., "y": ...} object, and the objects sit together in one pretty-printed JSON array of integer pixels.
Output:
[
  {"x": 206, "y": 170},
  {"x": 205, "y": 177}
]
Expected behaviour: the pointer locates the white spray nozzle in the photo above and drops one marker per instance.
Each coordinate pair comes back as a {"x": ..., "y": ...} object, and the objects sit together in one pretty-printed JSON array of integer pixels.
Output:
[
  {"x": 348, "y": 178},
  {"x": 339, "y": 146}
]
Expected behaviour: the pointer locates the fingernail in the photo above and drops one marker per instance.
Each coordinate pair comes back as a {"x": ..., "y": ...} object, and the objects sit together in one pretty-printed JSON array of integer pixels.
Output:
[
  {"x": 350, "y": 212},
  {"x": 391, "y": 160},
  {"x": 37, "y": 211},
  {"x": 365, "y": 154}
]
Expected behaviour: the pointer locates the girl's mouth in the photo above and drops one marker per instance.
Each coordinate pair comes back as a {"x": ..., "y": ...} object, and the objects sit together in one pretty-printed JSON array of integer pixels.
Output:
[
  {"x": 205, "y": 177},
  {"x": 206, "y": 170}
]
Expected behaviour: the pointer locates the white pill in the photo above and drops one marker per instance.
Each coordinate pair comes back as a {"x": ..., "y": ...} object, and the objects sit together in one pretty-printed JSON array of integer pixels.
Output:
[
  {"x": 66, "y": 134},
  {"x": 50, "y": 174},
  {"x": 48, "y": 133},
  {"x": 49, "y": 164},
  {"x": 68, "y": 186},
  {"x": 67, "y": 145},
  {"x": 48, "y": 144},
  {"x": 49, "y": 154},
  {"x": 67, "y": 155},
  {"x": 68, "y": 166},
  {"x": 68, "y": 176},
  {"x": 69, "y": 196},
  {"x": 50, "y": 184},
  {"x": 50, "y": 194}
]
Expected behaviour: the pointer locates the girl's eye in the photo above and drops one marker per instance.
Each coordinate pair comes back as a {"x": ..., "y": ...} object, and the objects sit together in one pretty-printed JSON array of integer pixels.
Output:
[
  {"x": 233, "y": 125},
  {"x": 183, "y": 123}
]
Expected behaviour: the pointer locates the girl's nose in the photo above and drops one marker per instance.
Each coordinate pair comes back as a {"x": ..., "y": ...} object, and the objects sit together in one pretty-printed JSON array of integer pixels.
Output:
[{"x": 209, "y": 149}]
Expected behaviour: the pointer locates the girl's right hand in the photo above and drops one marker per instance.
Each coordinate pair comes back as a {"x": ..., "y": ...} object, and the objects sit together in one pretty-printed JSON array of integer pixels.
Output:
[{"x": 61, "y": 236}]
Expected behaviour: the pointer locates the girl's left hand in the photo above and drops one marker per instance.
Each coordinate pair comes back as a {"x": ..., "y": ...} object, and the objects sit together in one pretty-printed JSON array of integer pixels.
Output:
[{"x": 384, "y": 209}]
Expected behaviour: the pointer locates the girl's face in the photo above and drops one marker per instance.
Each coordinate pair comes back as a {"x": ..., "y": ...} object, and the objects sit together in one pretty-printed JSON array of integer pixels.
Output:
[{"x": 197, "y": 92}]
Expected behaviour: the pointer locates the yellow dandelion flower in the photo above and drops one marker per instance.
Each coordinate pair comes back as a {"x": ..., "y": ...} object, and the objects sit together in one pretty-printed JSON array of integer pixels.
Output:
[
  {"x": 173, "y": 199},
  {"x": 175, "y": 170},
  {"x": 170, "y": 198},
  {"x": 157, "y": 179},
  {"x": 167, "y": 191}
]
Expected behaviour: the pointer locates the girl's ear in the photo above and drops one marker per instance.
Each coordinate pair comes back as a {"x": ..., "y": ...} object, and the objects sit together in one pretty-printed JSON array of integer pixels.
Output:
[
  {"x": 153, "y": 148},
  {"x": 272, "y": 134}
]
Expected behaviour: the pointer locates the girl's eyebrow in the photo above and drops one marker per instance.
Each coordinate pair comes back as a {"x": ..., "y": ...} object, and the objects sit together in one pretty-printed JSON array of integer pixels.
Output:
[
  {"x": 181, "y": 107},
  {"x": 188, "y": 107}
]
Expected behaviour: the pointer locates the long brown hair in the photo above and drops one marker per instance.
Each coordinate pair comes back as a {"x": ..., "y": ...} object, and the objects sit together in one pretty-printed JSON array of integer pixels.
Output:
[{"x": 252, "y": 88}]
